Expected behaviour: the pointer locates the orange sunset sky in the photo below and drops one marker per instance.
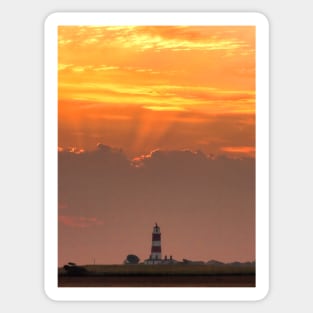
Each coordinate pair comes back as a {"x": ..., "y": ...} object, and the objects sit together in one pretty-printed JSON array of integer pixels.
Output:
[
  {"x": 145, "y": 88},
  {"x": 156, "y": 124}
]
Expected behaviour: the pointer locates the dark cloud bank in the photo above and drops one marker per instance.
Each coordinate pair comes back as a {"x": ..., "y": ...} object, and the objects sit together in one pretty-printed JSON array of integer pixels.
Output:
[{"x": 108, "y": 204}]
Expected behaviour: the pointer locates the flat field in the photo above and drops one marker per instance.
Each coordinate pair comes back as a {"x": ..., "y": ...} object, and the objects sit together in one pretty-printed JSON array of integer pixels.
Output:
[{"x": 172, "y": 275}]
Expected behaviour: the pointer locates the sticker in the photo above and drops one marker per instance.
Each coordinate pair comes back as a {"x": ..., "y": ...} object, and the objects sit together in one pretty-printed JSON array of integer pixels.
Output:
[{"x": 156, "y": 156}]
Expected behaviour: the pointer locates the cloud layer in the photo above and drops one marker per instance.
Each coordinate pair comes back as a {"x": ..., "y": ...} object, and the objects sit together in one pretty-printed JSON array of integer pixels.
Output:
[{"x": 204, "y": 205}]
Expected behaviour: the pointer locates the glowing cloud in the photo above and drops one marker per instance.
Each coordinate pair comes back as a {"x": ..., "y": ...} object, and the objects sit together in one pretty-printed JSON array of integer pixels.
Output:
[{"x": 240, "y": 150}]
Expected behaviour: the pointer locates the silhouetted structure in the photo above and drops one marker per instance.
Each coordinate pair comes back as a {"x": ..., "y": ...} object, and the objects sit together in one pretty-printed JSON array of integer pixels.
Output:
[{"x": 73, "y": 269}]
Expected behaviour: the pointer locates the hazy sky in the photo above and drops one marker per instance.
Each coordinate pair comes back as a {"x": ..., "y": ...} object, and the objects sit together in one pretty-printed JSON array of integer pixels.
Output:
[{"x": 156, "y": 124}]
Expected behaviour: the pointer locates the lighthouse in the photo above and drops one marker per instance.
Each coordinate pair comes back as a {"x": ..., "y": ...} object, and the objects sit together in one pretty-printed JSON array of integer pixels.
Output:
[
  {"x": 156, "y": 244},
  {"x": 156, "y": 252}
]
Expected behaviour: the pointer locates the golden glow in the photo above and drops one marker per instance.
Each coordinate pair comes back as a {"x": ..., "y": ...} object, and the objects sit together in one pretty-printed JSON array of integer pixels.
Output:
[
  {"x": 134, "y": 86},
  {"x": 163, "y": 108}
]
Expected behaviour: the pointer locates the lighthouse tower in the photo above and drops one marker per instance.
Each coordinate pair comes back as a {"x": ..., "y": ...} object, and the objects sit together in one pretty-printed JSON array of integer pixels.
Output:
[{"x": 156, "y": 255}]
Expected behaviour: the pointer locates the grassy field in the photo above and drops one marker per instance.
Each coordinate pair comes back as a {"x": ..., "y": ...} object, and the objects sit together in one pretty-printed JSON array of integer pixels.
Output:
[
  {"x": 168, "y": 269},
  {"x": 170, "y": 275}
]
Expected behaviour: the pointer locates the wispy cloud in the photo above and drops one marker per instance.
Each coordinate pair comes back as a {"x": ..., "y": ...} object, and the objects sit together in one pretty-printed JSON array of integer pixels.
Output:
[
  {"x": 159, "y": 38},
  {"x": 79, "y": 221}
]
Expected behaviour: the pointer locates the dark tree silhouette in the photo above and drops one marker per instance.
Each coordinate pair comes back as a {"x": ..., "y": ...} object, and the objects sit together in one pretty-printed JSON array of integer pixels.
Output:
[{"x": 132, "y": 259}]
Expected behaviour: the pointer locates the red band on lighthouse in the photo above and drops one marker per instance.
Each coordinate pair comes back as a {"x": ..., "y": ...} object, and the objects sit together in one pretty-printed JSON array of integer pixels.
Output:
[
  {"x": 156, "y": 249},
  {"x": 156, "y": 237}
]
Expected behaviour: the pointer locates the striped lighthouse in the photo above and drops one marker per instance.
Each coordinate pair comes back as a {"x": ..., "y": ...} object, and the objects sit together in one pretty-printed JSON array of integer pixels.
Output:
[{"x": 156, "y": 243}]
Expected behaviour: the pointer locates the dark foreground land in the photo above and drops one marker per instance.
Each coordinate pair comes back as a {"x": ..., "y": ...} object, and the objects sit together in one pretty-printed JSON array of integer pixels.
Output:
[{"x": 159, "y": 276}]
